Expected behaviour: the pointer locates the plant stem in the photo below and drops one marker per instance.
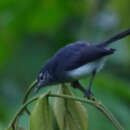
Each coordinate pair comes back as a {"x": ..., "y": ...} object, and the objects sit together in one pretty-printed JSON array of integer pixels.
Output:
[
  {"x": 31, "y": 86},
  {"x": 27, "y": 94},
  {"x": 111, "y": 117},
  {"x": 96, "y": 104},
  {"x": 22, "y": 108}
]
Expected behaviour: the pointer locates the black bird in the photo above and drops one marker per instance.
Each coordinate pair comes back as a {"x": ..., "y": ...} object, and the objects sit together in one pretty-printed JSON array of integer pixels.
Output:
[{"x": 75, "y": 61}]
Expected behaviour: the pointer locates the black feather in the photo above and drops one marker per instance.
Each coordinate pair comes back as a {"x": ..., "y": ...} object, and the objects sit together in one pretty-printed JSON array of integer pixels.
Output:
[
  {"x": 75, "y": 55},
  {"x": 71, "y": 57}
]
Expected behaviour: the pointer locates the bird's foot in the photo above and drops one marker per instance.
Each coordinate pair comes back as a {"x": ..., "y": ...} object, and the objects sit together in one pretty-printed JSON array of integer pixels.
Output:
[{"x": 89, "y": 95}]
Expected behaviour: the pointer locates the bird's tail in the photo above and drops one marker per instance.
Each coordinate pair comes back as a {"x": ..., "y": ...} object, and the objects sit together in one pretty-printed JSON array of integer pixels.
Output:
[{"x": 115, "y": 38}]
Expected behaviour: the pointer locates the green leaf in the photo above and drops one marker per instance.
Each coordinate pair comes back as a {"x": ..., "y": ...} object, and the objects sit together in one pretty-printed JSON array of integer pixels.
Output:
[
  {"x": 17, "y": 128},
  {"x": 9, "y": 128},
  {"x": 70, "y": 125},
  {"x": 59, "y": 109},
  {"x": 20, "y": 128},
  {"x": 70, "y": 114},
  {"x": 42, "y": 117}
]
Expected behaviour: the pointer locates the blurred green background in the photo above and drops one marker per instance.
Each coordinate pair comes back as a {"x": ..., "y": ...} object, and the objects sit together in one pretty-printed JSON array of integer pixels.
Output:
[{"x": 32, "y": 31}]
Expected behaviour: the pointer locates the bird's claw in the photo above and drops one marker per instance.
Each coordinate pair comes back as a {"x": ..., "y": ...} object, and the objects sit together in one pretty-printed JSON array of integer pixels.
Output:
[{"x": 89, "y": 95}]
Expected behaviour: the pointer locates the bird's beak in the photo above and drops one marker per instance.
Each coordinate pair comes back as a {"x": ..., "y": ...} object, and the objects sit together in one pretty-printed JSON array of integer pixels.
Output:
[{"x": 37, "y": 87}]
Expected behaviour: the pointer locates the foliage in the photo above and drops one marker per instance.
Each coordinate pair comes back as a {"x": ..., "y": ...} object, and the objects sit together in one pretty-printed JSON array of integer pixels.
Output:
[
  {"x": 41, "y": 115},
  {"x": 69, "y": 112},
  {"x": 31, "y": 31}
]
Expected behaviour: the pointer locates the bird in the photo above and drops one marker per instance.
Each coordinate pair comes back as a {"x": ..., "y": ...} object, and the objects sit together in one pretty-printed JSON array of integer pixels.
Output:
[{"x": 75, "y": 61}]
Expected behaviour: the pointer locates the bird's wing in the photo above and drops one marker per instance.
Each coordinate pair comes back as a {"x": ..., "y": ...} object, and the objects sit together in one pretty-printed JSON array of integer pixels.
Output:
[{"x": 75, "y": 55}]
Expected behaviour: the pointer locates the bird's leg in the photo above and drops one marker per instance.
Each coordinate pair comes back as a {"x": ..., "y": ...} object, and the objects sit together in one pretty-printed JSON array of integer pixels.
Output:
[
  {"x": 88, "y": 93},
  {"x": 76, "y": 84}
]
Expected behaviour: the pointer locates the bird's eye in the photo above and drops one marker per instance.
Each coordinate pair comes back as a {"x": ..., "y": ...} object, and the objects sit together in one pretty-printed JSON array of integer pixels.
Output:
[{"x": 41, "y": 78}]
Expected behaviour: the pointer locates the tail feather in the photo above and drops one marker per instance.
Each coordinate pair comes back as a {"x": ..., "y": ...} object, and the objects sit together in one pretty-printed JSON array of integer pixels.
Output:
[{"x": 115, "y": 38}]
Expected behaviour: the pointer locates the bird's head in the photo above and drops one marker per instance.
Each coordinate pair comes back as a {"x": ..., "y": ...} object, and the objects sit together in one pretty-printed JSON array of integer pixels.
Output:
[{"x": 44, "y": 79}]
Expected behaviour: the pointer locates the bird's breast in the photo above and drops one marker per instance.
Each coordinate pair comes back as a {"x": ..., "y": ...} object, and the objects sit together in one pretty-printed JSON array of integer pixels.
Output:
[{"x": 86, "y": 69}]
